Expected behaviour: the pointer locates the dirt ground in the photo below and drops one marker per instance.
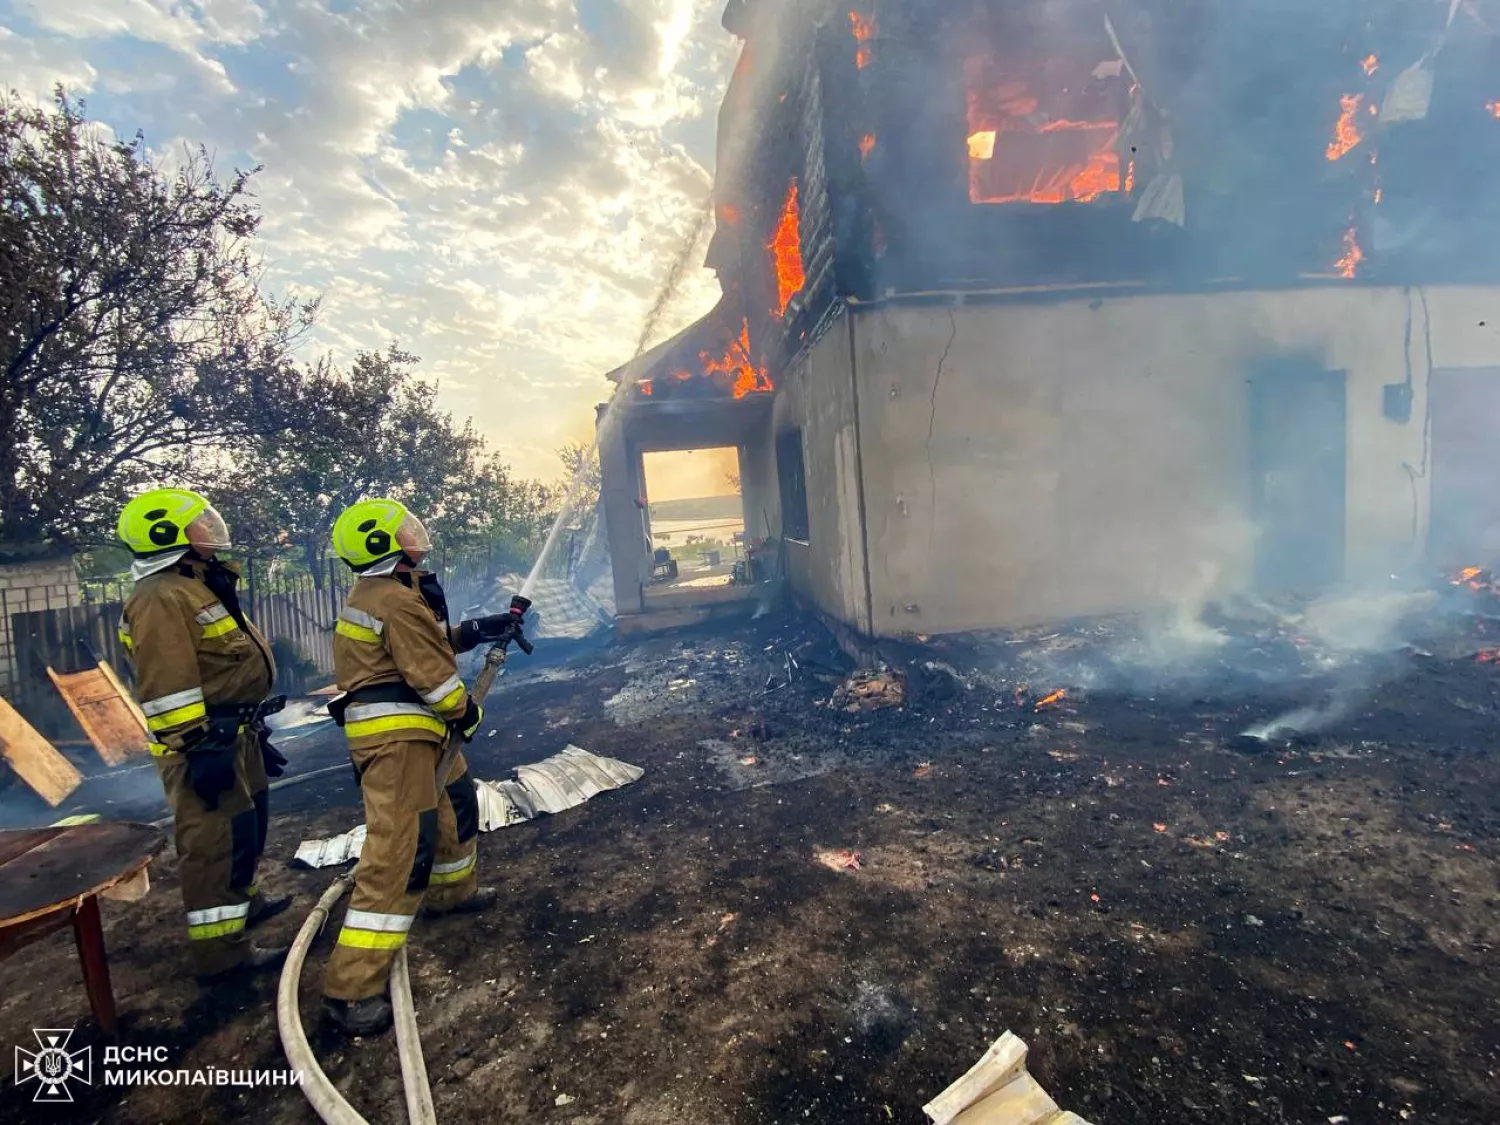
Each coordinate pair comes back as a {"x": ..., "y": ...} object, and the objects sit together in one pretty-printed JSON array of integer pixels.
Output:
[{"x": 1184, "y": 927}]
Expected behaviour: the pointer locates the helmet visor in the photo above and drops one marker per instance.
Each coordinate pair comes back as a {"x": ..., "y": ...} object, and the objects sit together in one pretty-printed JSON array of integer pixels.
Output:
[
  {"x": 413, "y": 539},
  {"x": 208, "y": 532}
]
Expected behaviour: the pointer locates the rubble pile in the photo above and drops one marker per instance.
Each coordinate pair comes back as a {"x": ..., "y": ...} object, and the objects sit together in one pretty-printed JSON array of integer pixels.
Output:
[{"x": 870, "y": 691}]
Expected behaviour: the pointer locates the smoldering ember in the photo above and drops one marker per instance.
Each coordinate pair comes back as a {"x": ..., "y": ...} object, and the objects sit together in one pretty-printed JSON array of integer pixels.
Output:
[{"x": 1092, "y": 680}]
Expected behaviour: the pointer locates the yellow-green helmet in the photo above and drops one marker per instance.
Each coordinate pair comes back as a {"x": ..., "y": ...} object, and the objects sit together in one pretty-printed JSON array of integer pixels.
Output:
[
  {"x": 375, "y": 531},
  {"x": 156, "y": 522}
]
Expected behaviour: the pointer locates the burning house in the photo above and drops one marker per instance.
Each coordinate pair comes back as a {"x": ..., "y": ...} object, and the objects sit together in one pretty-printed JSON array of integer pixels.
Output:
[{"x": 1038, "y": 310}]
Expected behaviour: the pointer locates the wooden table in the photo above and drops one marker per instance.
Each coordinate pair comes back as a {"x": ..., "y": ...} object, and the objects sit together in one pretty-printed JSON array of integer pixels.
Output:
[{"x": 52, "y": 877}]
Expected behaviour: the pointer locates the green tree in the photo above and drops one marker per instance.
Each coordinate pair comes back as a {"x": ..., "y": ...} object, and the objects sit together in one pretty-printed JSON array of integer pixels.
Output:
[
  {"x": 376, "y": 432},
  {"x": 134, "y": 338},
  {"x": 582, "y": 479}
]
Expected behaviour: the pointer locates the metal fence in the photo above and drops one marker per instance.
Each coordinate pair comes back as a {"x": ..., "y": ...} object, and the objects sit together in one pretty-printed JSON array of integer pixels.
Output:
[{"x": 295, "y": 614}]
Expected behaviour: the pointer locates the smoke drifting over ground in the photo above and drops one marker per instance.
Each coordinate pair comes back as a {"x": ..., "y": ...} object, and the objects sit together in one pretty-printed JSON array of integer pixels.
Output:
[{"x": 1332, "y": 653}]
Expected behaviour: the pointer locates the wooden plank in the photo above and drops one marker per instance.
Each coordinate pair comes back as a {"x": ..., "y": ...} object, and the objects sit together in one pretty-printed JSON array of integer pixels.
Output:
[
  {"x": 116, "y": 729},
  {"x": 119, "y": 685},
  {"x": 35, "y": 760}
]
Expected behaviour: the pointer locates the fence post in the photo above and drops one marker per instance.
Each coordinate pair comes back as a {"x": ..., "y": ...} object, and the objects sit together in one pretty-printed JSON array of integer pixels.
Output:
[
  {"x": 250, "y": 589},
  {"x": 8, "y": 635}
]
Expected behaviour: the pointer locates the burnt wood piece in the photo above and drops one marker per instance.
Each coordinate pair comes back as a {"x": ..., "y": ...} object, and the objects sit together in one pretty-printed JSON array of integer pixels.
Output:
[
  {"x": 52, "y": 877},
  {"x": 47, "y": 869}
]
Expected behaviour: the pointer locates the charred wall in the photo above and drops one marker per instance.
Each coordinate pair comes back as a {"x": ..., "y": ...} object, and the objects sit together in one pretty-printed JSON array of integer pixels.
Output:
[
  {"x": 1209, "y": 234},
  {"x": 772, "y": 143},
  {"x": 1220, "y": 120}
]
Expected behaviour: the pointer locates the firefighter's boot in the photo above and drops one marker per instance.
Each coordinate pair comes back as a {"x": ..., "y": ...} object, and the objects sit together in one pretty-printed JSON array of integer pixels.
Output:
[
  {"x": 263, "y": 909},
  {"x": 259, "y": 959},
  {"x": 482, "y": 899},
  {"x": 370, "y": 1016}
]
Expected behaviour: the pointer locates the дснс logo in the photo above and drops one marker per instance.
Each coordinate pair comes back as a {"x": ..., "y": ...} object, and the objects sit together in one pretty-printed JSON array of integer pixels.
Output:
[{"x": 53, "y": 1066}]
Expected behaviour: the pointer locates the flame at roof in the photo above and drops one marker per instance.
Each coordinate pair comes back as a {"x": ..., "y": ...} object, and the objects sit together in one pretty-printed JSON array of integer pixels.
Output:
[
  {"x": 1346, "y": 134},
  {"x": 748, "y": 378},
  {"x": 864, "y": 33},
  {"x": 786, "y": 252}
]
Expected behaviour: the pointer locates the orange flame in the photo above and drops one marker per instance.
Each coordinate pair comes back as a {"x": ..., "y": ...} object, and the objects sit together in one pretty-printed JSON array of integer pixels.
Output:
[
  {"x": 1348, "y": 265},
  {"x": 1068, "y": 183},
  {"x": 728, "y": 214},
  {"x": 1078, "y": 163},
  {"x": 866, "y": 146},
  {"x": 735, "y": 361},
  {"x": 646, "y": 388},
  {"x": 786, "y": 252},
  {"x": 1467, "y": 576},
  {"x": 1130, "y": 177},
  {"x": 864, "y": 33},
  {"x": 1493, "y": 108},
  {"x": 1371, "y": 63},
  {"x": 1059, "y": 694},
  {"x": 1346, "y": 134}
]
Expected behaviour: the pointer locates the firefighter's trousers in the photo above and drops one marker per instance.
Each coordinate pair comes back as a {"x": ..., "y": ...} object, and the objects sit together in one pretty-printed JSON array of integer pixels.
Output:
[
  {"x": 418, "y": 848},
  {"x": 218, "y": 850}
]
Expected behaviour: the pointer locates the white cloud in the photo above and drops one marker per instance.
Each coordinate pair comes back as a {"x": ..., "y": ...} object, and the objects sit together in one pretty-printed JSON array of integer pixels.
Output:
[
  {"x": 492, "y": 182},
  {"x": 34, "y": 66},
  {"x": 188, "y": 29}
]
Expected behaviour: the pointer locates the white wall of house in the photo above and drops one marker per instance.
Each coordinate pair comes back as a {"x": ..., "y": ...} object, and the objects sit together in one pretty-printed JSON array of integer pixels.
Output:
[{"x": 1017, "y": 463}]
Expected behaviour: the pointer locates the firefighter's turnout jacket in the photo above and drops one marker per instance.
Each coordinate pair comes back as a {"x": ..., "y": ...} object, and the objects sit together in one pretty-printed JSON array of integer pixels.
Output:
[
  {"x": 394, "y": 657},
  {"x": 198, "y": 661}
]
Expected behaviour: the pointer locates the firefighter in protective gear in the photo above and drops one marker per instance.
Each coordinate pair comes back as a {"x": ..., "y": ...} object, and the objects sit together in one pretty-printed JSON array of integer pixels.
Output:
[
  {"x": 402, "y": 702},
  {"x": 202, "y": 675}
]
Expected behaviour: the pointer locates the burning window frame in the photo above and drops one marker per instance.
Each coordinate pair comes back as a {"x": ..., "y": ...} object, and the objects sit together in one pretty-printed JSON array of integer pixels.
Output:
[{"x": 1045, "y": 123}]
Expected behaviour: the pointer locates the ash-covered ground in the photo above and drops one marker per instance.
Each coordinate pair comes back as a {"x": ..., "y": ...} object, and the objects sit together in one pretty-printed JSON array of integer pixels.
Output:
[{"x": 807, "y": 914}]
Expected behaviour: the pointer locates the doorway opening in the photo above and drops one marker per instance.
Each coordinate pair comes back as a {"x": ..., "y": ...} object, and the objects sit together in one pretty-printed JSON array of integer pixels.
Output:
[
  {"x": 1464, "y": 521},
  {"x": 695, "y": 514},
  {"x": 1298, "y": 453}
]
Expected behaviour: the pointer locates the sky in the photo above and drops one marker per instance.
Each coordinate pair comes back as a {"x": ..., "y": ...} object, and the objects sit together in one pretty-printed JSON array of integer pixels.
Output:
[
  {"x": 691, "y": 474},
  {"x": 499, "y": 185}
]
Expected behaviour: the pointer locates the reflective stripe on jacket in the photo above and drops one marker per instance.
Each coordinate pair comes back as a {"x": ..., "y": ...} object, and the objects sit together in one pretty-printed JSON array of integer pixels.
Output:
[
  {"x": 386, "y": 634},
  {"x": 189, "y": 654}
]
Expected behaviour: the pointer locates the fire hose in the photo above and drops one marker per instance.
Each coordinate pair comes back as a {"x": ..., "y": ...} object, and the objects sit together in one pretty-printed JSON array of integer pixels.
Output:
[{"x": 321, "y": 1094}]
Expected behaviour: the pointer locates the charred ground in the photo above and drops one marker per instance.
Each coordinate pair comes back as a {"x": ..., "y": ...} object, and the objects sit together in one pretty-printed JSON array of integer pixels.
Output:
[{"x": 1184, "y": 926}]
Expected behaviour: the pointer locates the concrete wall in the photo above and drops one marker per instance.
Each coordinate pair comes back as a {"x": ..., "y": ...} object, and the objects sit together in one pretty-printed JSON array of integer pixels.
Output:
[
  {"x": 1027, "y": 462},
  {"x": 622, "y": 487},
  {"x": 817, "y": 396},
  {"x": 760, "y": 489}
]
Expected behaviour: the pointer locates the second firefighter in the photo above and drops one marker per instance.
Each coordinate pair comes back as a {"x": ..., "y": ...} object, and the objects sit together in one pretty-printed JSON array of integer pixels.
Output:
[{"x": 394, "y": 656}]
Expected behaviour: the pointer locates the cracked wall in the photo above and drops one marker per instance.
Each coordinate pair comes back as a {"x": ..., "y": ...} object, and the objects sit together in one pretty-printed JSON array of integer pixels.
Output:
[{"x": 1023, "y": 463}]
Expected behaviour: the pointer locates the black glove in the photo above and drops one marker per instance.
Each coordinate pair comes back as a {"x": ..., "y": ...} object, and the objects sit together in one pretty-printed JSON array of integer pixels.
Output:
[
  {"x": 274, "y": 759},
  {"x": 467, "y": 724},
  {"x": 518, "y": 607},
  {"x": 479, "y": 630},
  {"x": 211, "y": 770}
]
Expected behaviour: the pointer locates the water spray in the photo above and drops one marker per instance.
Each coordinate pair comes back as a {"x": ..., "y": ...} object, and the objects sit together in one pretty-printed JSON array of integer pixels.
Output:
[{"x": 686, "y": 253}]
